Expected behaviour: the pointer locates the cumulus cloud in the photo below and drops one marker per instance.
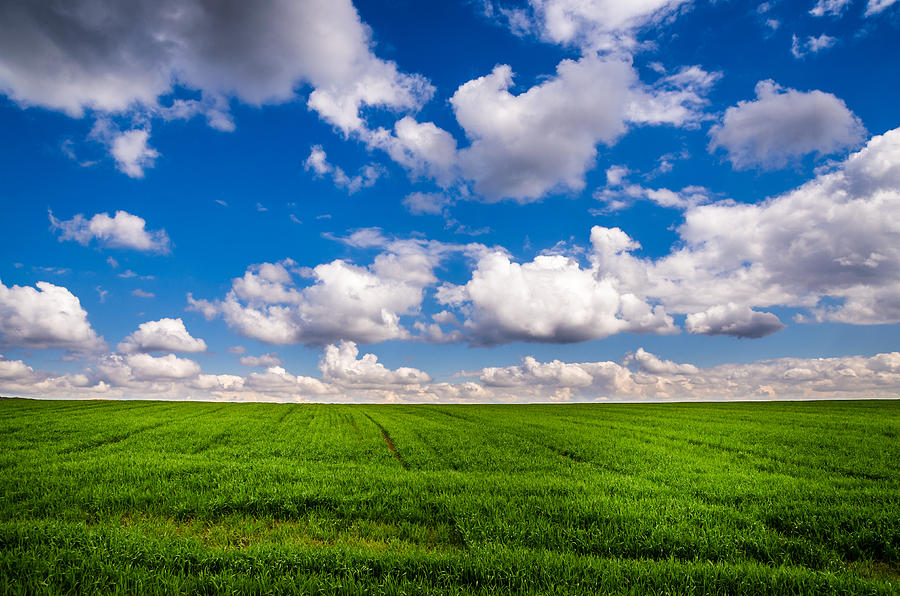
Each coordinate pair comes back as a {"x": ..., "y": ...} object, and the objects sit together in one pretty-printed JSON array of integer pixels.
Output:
[
  {"x": 133, "y": 153},
  {"x": 347, "y": 377},
  {"x": 339, "y": 301},
  {"x": 550, "y": 299},
  {"x": 734, "y": 320},
  {"x": 164, "y": 335},
  {"x": 545, "y": 138},
  {"x": 602, "y": 25},
  {"x": 123, "y": 230},
  {"x": 651, "y": 363},
  {"x": 321, "y": 167},
  {"x": 655, "y": 378},
  {"x": 145, "y": 367},
  {"x": 340, "y": 364},
  {"x": 782, "y": 125},
  {"x": 423, "y": 148},
  {"x": 828, "y": 246},
  {"x": 45, "y": 316},
  {"x": 125, "y": 57}
]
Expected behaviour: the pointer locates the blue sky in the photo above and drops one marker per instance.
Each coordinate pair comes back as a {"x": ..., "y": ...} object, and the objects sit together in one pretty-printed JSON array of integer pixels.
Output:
[{"x": 470, "y": 201}]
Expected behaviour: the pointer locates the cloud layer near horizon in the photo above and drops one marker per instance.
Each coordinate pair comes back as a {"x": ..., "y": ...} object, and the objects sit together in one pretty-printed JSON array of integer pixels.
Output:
[{"x": 346, "y": 377}]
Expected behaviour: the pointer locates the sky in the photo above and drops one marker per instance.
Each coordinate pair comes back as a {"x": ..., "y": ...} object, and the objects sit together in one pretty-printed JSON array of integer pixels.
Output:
[{"x": 472, "y": 201}]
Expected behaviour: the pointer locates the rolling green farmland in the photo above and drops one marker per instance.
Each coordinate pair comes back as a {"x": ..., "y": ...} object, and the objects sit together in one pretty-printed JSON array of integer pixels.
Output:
[{"x": 672, "y": 498}]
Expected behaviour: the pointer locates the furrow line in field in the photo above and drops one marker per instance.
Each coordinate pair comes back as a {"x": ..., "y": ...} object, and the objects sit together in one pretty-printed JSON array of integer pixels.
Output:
[
  {"x": 209, "y": 444},
  {"x": 390, "y": 443},
  {"x": 287, "y": 412},
  {"x": 112, "y": 440}
]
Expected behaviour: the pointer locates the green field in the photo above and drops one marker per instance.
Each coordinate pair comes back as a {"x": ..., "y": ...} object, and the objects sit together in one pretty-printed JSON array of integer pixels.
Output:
[{"x": 131, "y": 497}]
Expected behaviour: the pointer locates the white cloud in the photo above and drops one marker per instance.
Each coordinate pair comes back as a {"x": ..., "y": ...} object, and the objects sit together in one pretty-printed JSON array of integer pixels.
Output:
[
  {"x": 615, "y": 175},
  {"x": 800, "y": 48},
  {"x": 123, "y": 230},
  {"x": 14, "y": 369},
  {"x": 525, "y": 145},
  {"x": 851, "y": 376},
  {"x": 46, "y": 316},
  {"x": 545, "y": 138},
  {"x": 829, "y": 245},
  {"x": 164, "y": 335},
  {"x": 829, "y": 7},
  {"x": 651, "y": 363},
  {"x": 319, "y": 164},
  {"x": 617, "y": 198},
  {"x": 123, "y": 58},
  {"x": 145, "y": 367},
  {"x": 340, "y": 364},
  {"x": 877, "y": 6},
  {"x": 343, "y": 301},
  {"x": 132, "y": 152},
  {"x": 277, "y": 382},
  {"x": 142, "y": 293},
  {"x": 783, "y": 125},
  {"x": 731, "y": 319},
  {"x": 550, "y": 299},
  {"x": 605, "y": 24},
  {"x": 266, "y": 360},
  {"x": 347, "y": 377}
]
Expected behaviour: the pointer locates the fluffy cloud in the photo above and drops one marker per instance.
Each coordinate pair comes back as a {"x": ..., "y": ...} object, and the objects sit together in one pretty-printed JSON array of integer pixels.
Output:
[
  {"x": 605, "y": 24},
  {"x": 133, "y": 153},
  {"x": 145, "y": 367},
  {"x": 783, "y": 125},
  {"x": 544, "y": 139},
  {"x": 340, "y": 364},
  {"x": 829, "y": 246},
  {"x": 115, "y": 58},
  {"x": 45, "y": 316},
  {"x": 651, "y": 363},
  {"x": 551, "y": 299},
  {"x": 640, "y": 376},
  {"x": 164, "y": 335},
  {"x": 123, "y": 230},
  {"x": 14, "y": 369},
  {"x": 523, "y": 146},
  {"x": 421, "y": 147},
  {"x": 341, "y": 300},
  {"x": 731, "y": 319},
  {"x": 852, "y": 376}
]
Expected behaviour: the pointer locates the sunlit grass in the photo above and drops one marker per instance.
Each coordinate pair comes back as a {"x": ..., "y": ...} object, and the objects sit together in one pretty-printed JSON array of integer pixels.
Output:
[{"x": 676, "y": 498}]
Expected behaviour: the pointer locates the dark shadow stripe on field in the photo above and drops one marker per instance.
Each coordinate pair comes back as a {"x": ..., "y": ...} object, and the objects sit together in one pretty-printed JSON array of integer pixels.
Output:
[
  {"x": 127, "y": 435},
  {"x": 390, "y": 443},
  {"x": 210, "y": 443},
  {"x": 112, "y": 440},
  {"x": 288, "y": 411}
]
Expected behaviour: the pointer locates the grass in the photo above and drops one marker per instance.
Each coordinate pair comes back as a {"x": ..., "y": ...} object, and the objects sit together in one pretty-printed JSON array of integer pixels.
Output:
[{"x": 152, "y": 497}]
